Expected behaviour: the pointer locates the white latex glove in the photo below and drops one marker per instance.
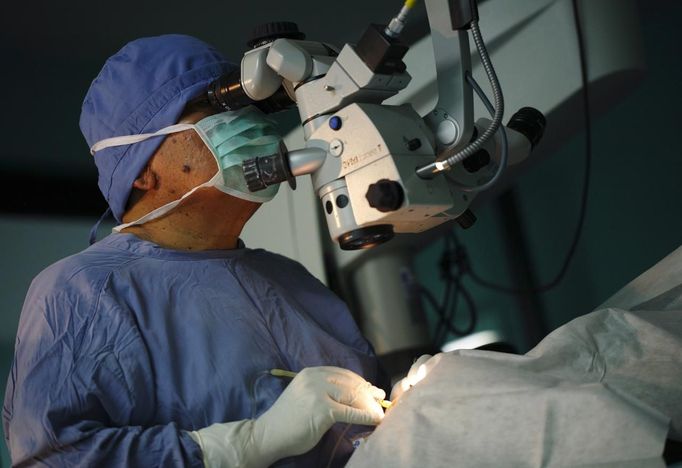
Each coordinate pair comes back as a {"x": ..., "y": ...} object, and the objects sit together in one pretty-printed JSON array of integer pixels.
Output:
[
  {"x": 315, "y": 399},
  {"x": 417, "y": 372}
]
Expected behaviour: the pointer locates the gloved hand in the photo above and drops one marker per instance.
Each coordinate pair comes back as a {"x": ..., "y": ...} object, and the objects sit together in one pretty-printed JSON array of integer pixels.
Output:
[
  {"x": 417, "y": 372},
  {"x": 315, "y": 399}
]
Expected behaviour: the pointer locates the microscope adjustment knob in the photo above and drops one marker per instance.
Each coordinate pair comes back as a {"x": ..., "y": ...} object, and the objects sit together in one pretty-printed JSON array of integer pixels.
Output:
[
  {"x": 529, "y": 122},
  {"x": 264, "y": 171},
  {"x": 268, "y": 32},
  {"x": 385, "y": 195},
  {"x": 252, "y": 175}
]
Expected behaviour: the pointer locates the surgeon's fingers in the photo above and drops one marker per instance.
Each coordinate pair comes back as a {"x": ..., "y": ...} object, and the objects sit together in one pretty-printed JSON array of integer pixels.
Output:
[
  {"x": 339, "y": 378},
  {"x": 352, "y": 393},
  {"x": 370, "y": 416},
  {"x": 340, "y": 384},
  {"x": 357, "y": 394},
  {"x": 331, "y": 375},
  {"x": 377, "y": 393},
  {"x": 341, "y": 375}
]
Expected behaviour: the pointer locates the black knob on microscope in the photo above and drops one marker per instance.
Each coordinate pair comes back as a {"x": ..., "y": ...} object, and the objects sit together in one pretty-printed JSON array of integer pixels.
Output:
[
  {"x": 264, "y": 171},
  {"x": 466, "y": 219},
  {"x": 252, "y": 175},
  {"x": 268, "y": 32},
  {"x": 385, "y": 195},
  {"x": 530, "y": 123}
]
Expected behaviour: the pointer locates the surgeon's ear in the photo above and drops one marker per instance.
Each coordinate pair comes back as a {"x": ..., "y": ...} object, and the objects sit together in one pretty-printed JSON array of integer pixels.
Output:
[{"x": 147, "y": 179}]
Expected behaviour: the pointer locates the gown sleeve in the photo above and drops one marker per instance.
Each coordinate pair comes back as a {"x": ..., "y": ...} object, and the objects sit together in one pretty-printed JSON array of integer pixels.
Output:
[{"x": 69, "y": 399}]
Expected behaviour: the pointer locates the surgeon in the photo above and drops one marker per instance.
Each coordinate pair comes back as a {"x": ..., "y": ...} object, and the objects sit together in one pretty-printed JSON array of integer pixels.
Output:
[{"x": 163, "y": 343}]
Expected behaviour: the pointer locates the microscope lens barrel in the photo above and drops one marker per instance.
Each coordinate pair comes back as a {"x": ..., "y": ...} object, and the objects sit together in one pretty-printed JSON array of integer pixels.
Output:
[
  {"x": 226, "y": 93},
  {"x": 265, "y": 171}
]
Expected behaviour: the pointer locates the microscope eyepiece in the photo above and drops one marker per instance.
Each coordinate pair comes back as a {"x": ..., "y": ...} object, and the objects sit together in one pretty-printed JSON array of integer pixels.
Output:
[
  {"x": 263, "y": 171},
  {"x": 226, "y": 93}
]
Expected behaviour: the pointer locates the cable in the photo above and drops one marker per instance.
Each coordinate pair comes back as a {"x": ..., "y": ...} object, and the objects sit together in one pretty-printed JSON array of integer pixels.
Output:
[
  {"x": 446, "y": 310},
  {"x": 458, "y": 258},
  {"x": 586, "y": 177},
  {"x": 442, "y": 329},
  {"x": 448, "y": 157},
  {"x": 395, "y": 27},
  {"x": 446, "y": 317},
  {"x": 504, "y": 157}
]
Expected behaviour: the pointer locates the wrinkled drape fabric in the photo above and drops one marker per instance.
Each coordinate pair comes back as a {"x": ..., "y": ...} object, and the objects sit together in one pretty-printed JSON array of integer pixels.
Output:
[
  {"x": 125, "y": 346},
  {"x": 603, "y": 390}
]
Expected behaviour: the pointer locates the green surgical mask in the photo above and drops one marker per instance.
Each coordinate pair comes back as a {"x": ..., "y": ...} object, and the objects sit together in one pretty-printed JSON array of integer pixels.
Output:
[{"x": 232, "y": 137}]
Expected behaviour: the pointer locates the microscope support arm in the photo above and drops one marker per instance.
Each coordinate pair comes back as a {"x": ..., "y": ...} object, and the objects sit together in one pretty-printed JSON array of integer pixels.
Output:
[{"x": 451, "y": 120}]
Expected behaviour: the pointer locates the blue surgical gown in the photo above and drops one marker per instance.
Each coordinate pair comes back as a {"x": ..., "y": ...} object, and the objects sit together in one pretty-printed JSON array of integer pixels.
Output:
[{"x": 124, "y": 347}]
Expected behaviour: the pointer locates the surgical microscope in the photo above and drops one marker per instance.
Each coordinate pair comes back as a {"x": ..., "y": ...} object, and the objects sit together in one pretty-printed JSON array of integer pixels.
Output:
[
  {"x": 380, "y": 169},
  {"x": 393, "y": 153}
]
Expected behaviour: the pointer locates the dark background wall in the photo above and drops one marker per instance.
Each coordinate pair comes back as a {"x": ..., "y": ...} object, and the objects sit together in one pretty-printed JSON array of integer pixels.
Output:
[
  {"x": 634, "y": 214},
  {"x": 49, "y": 199}
]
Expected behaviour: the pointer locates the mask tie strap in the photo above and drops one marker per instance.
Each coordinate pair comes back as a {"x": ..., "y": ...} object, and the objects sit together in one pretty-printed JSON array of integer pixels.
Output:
[
  {"x": 163, "y": 209},
  {"x": 93, "y": 231},
  {"x": 130, "y": 139}
]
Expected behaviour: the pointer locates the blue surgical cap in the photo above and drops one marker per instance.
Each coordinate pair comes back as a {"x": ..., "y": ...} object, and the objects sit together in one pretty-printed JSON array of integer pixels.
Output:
[{"x": 143, "y": 88}]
